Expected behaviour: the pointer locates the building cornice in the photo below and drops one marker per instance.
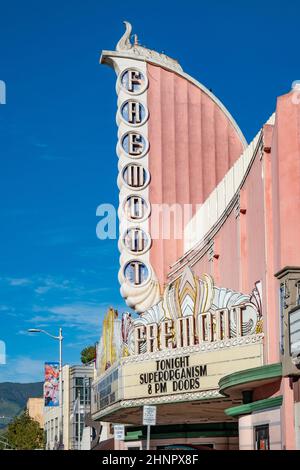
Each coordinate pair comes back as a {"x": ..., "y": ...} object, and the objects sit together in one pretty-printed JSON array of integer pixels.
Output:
[{"x": 287, "y": 270}]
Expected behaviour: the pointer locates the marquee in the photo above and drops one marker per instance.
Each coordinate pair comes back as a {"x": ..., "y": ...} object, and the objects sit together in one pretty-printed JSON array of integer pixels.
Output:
[{"x": 181, "y": 347}]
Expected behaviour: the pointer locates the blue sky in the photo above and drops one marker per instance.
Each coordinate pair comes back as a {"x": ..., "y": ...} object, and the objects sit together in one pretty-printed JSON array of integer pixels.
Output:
[{"x": 58, "y": 137}]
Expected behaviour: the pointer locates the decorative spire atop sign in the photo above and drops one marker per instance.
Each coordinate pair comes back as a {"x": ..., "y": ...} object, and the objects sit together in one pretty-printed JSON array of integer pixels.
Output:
[
  {"x": 125, "y": 46},
  {"x": 124, "y": 43}
]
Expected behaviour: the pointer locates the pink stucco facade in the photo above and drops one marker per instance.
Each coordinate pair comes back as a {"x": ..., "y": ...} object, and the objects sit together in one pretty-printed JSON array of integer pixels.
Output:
[
  {"x": 259, "y": 237},
  {"x": 248, "y": 422}
]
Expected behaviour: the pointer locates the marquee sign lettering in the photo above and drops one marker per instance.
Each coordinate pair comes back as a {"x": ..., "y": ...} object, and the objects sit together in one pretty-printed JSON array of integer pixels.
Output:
[
  {"x": 139, "y": 285},
  {"x": 191, "y": 373},
  {"x": 178, "y": 371},
  {"x": 133, "y": 81},
  {"x": 136, "y": 110},
  {"x": 135, "y": 274},
  {"x": 193, "y": 311}
]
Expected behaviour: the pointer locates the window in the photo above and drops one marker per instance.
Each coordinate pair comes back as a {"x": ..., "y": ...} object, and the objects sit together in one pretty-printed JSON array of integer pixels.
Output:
[
  {"x": 262, "y": 438},
  {"x": 83, "y": 385},
  {"x": 56, "y": 429},
  {"x": 76, "y": 426},
  {"x": 298, "y": 293},
  {"x": 51, "y": 432},
  {"x": 281, "y": 306}
]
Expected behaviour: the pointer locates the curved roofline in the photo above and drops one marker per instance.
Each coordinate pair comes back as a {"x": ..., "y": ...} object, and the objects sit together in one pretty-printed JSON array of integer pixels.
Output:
[
  {"x": 172, "y": 66},
  {"x": 246, "y": 376}
]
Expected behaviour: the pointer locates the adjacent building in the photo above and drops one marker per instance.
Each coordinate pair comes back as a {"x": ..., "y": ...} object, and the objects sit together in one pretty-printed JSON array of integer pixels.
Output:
[
  {"x": 77, "y": 381},
  {"x": 289, "y": 279},
  {"x": 209, "y": 262},
  {"x": 35, "y": 408}
]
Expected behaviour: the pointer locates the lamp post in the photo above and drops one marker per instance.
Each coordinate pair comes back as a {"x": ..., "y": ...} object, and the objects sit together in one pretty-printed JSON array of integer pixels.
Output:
[
  {"x": 79, "y": 421},
  {"x": 60, "y": 339}
]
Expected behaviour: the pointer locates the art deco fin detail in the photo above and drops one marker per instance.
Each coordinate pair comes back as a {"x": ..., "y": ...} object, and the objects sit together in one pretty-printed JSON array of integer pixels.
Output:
[{"x": 124, "y": 43}]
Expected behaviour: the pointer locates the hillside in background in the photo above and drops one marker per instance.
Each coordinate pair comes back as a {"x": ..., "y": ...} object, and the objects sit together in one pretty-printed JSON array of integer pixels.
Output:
[{"x": 13, "y": 398}]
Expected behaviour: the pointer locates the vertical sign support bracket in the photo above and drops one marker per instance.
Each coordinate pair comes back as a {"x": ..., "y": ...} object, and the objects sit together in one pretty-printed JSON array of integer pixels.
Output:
[{"x": 148, "y": 436}]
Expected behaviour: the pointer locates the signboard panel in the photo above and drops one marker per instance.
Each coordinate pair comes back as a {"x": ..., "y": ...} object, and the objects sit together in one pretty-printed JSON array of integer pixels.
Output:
[
  {"x": 183, "y": 373},
  {"x": 149, "y": 415},
  {"x": 119, "y": 432}
]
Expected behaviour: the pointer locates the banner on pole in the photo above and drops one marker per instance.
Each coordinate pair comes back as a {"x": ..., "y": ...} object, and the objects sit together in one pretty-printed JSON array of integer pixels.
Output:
[{"x": 51, "y": 384}]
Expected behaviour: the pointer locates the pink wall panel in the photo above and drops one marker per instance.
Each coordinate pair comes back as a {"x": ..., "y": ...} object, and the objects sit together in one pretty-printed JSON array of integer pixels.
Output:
[
  {"x": 271, "y": 321},
  {"x": 255, "y": 228},
  {"x": 286, "y": 188},
  {"x": 203, "y": 266},
  {"x": 227, "y": 247},
  {"x": 193, "y": 143}
]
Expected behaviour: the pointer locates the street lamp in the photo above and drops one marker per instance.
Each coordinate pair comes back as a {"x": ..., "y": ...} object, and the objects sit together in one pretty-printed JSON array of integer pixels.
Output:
[{"x": 60, "y": 339}]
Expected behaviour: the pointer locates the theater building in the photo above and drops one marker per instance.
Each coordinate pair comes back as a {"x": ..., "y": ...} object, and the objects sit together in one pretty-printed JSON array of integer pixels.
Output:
[{"x": 209, "y": 262}]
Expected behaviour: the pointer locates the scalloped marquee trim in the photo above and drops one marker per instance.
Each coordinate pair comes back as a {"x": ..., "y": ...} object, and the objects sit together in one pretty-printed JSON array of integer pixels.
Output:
[
  {"x": 182, "y": 397},
  {"x": 202, "y": 347}
]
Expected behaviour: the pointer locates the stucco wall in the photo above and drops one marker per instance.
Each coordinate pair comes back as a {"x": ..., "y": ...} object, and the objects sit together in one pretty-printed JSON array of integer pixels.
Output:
[
  {"x": 35, "y": 407},
  {"x": 247, "y": 424}
]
